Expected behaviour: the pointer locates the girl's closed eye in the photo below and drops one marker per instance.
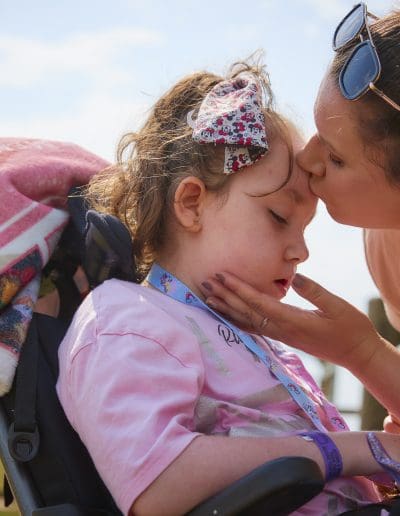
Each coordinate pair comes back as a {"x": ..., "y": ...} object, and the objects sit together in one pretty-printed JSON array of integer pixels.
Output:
[
  {"x": 337, "y": 162},
  {"x": 278, "y": 218}
]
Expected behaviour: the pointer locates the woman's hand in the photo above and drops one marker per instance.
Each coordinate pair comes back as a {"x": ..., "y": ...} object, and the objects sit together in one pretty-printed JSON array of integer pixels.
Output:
[
  {"x": 334, "y": 331},
  {"x": 391, "y": 424}
]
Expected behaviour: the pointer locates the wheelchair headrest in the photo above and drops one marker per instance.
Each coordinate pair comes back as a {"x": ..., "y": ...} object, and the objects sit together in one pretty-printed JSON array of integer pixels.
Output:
[
  {"x": 107, "y": 244},
  {"x": 108, "y": 249}
]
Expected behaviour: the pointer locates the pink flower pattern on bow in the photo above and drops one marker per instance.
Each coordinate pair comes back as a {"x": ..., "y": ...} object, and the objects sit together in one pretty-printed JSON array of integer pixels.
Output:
[{"x": 231, "y": 115}]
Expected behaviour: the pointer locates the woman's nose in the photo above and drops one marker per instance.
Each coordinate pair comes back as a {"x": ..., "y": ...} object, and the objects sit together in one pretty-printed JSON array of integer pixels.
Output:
[{"x": 310, "y": 157}]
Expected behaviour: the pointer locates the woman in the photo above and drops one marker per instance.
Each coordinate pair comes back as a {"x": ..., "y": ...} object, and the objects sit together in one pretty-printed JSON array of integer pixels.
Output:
[{"x": 355, "y": 170}]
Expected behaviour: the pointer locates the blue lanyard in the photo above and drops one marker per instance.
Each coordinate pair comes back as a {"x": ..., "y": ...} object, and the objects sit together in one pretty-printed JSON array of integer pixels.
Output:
[{"x": 165, "y": 282}]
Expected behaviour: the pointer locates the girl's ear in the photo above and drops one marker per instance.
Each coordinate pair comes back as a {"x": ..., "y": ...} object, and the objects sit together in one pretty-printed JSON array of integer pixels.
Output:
[{"x": 189, "y": 203}]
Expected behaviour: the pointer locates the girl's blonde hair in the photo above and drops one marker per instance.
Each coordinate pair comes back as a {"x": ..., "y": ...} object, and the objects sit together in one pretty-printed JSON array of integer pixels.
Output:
[{"x": 139, "y": 189}]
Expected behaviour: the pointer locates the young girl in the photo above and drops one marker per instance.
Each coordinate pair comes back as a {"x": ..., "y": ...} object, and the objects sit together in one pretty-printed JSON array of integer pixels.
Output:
[{"x": 158, "y": 385}]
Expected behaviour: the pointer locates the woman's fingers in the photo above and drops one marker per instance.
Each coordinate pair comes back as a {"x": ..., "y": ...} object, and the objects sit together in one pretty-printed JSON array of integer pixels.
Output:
[
  {"x": 253, "y": 311},
  {"x": 317, "y": 295},
  {"x": 232, "y": 288},
  {"x": 334, "y": 331},
  {"x": 239, "y": 319},
  {"x": 223, "y": 300},
  {"x": 236, "y": 299},
  {"x": 391, "y": 424}
]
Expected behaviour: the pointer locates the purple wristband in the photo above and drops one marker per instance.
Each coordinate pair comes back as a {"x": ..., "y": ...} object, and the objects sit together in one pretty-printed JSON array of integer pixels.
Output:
[
  {"x": 381, "y": 456},
  {"x": 329, "y": 451}
]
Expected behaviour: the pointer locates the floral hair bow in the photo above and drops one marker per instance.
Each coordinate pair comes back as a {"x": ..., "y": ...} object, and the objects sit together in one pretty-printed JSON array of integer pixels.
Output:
[{"x": 231, "y": 115}]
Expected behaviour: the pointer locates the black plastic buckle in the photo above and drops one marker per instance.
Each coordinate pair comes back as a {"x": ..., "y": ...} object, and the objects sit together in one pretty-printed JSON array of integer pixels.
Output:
[{"x": 23, "y": 446}]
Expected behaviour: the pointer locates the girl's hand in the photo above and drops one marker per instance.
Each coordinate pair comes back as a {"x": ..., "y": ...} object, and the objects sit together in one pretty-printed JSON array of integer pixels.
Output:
[{"x": 334, "y": 331}]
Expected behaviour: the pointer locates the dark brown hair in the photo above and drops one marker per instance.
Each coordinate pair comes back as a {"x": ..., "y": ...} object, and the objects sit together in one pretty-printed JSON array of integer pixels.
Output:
[
  {"x": 379, "y": 123},
  {"x": 140, "y": 187}
]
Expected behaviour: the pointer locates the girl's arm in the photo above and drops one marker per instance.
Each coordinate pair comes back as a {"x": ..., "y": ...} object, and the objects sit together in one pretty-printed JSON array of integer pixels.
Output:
[
  {"x": 335, "y": 331},
  {"x": 211, "y": 463}
]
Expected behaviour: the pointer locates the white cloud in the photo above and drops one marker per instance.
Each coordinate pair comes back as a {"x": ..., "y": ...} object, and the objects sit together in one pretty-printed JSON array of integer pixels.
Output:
[
  {"x": 25, "y": 62},
  {"x": 96, "y": 123}
]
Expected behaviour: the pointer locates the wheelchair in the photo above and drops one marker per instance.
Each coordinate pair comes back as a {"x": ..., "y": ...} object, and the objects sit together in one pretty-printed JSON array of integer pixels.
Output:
[{"x": 48, "y": 471}]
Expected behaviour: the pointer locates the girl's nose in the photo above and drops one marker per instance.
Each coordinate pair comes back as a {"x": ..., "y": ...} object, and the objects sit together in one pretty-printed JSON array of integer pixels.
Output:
[
  {"x": 297, "y": 251},
  {"x": 310, "y": 158}
]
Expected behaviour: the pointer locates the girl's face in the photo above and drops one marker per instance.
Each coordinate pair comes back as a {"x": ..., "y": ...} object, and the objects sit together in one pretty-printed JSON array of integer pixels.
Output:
[
  {"x": 345, "y": 174},
  {"x": 258, "y": 237}
]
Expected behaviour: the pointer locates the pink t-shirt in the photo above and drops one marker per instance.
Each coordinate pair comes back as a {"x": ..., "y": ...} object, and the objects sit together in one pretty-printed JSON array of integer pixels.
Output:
[{"x": 141, "y": 375}]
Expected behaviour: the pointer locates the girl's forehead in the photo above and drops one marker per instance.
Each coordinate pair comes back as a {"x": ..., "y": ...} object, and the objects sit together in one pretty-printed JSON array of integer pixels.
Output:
[
  {"x": 298, "y": 187},
  {"x": 271, "y": 171},
  {"x": 280, "y": 175},
  {"x": 297, "y": 196}
]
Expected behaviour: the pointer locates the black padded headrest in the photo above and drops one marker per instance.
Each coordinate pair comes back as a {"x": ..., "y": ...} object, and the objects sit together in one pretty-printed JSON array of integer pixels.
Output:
[
  {"x": 108, "y": 249},
  {"x": 107, "y": 244}
]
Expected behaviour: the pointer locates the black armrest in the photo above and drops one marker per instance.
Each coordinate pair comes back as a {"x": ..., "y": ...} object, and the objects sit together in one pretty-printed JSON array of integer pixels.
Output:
[{"x": 278, "y": 487}]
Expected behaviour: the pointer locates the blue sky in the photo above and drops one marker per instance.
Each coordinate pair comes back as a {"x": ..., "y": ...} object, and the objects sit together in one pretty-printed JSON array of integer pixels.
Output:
[
  {"x": 66, "y": 62},
  {"x": 87, "y": 71}
]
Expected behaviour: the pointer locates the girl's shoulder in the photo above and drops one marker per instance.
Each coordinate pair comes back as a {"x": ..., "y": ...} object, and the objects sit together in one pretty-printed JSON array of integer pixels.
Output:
[
  {"x": 117, "y": 294},
  {"x": 117, "y": 307},
  {"x": 114, "y": 292},
  {"x": 119, "y": 311}
]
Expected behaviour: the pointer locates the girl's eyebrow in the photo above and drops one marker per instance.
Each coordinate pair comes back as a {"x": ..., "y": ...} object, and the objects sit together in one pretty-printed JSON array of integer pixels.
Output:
[{"x": 298, "y": 198}]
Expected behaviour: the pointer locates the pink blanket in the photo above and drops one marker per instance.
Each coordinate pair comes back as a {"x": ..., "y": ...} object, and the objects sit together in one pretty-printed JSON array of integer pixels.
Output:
[{"x": 35, "y": 178}]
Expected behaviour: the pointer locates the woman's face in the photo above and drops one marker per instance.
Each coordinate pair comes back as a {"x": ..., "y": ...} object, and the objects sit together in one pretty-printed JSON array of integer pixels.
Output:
[{"x": 345, "y": 173}]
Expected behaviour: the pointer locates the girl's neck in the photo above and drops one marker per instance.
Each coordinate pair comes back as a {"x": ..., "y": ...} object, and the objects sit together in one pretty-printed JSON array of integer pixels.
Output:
[{"x": 182, "y": 271}]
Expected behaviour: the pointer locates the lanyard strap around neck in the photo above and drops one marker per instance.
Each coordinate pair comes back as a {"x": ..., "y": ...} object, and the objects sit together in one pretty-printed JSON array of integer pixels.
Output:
[{"x": 168, "y": 284}]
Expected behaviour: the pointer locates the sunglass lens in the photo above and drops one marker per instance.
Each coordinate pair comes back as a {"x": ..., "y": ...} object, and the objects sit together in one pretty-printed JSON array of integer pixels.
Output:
[
  {"x": 361, "y": 68},
  {"x": 349, "y": 27}
]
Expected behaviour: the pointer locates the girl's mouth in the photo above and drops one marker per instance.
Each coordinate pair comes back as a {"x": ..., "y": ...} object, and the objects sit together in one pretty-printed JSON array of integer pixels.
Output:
[{"x": 283, "y": 285}]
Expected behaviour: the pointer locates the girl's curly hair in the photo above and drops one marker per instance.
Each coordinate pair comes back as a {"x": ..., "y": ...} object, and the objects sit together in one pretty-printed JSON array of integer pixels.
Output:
[{"x": 140, "y": 187}]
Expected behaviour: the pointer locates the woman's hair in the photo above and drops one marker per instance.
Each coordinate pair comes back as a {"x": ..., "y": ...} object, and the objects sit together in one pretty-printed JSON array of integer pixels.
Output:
[
  {"x": 378, "y": 121},
  {"x": 139, "y": 189}
]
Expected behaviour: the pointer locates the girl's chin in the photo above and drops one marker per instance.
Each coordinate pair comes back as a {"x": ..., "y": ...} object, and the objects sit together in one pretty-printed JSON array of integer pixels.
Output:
[{"x": 279, "y": 290}]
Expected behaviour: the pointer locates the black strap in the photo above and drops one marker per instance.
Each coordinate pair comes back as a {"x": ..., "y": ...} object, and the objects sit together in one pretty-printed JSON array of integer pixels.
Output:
[
  {"x": 7, "y": 493},
  {"x": 23, "y": 437}
]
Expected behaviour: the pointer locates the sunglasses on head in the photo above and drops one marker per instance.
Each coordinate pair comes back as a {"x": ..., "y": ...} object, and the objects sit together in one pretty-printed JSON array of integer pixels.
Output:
[{"x": 363, "y": 67}]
